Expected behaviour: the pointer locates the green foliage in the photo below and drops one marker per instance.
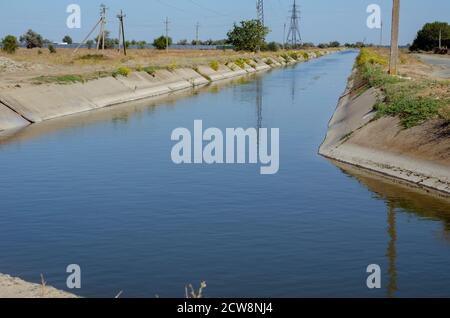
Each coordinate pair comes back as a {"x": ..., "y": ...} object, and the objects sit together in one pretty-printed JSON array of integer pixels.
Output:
[
  {"x": 122, "y": 71},
  {"x": 273, "y": 47},
  {"x": 294, "y": 55},
  {"x": 90, "y": 44},
  {"x": 109, "y": 43},
  {"x": 61, "y": 80},
  {"x": 161, "y": 42},
  {"x": 368, "y": 56},
  {"x": 32, "y": 39},
  {"x": 269, "y": 61},
  {"x": 93, "y": 57},
  {"x": 428, "y": 38},
  {"x": 67, "y": 39},
  {"x": 172, "y": 67},
  {"x": 150, "y": 70},
  {"x": 51, "y": 48},
  {"x": 402, "y": 97},
  {"x": 9, "y": 44},
  {"x": 141, "y": 45},
  {"x": 240, "y": 62},
  {"x": 248, "y": 36},
  {"x": 214, "y": 65},
  {"x": 411, "y": 110}
]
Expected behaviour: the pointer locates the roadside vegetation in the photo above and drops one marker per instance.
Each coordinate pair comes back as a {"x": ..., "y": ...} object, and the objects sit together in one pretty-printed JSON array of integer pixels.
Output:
[{"x": 413, "y": 100}]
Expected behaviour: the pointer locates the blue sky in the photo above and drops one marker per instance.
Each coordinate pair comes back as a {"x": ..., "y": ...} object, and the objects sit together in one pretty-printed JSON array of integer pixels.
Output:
[{"x": 322, "y": 20}]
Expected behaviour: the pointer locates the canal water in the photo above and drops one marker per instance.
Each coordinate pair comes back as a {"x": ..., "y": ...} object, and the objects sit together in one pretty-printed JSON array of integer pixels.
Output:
[{"x": 101, "y": 191}]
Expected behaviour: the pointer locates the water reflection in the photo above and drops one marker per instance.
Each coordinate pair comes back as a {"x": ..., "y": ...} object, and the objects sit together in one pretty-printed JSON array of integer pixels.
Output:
[{"x": 392, "y": 251}]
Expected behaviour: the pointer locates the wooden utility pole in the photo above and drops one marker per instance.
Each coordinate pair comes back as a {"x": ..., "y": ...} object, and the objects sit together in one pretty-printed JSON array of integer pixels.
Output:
[
  {"x": 167, "y": 34},
  {"x": 394, "y": 37},
  {"x": 440, "y": 39},
  {"x": 121, "y": 16}
]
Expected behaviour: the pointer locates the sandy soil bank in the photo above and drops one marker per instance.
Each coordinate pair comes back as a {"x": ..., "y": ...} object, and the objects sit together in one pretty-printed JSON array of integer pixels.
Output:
[{"x": 11, "y": 287}]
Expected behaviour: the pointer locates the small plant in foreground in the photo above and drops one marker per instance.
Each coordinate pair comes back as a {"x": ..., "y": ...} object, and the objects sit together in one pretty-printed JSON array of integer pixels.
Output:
[
  {"x": 122, "y": 71},
  {"x": 214, "y": 65}
]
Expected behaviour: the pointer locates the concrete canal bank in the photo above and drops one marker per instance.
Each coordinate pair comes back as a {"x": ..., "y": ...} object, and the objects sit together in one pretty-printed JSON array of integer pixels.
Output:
[
  {"x": 22, "y": 106},
  {"x": 417, "y": 155}
]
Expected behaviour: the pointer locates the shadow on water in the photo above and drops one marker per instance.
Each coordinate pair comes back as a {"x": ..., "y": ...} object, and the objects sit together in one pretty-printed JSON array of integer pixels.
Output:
[{"x": 401, "y": 198}]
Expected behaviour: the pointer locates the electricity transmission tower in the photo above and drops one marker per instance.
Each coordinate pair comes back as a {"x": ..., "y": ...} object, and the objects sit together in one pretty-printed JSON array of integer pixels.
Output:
[
  {"x": 121, "y": 16},
  {"x": 260, "y": 11},
  {"x": 294, "y": 37}
]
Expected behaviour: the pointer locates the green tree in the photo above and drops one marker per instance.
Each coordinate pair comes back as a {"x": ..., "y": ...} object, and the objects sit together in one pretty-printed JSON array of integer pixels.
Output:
[
  {"x": 67, "y": 39},
  {"x": 428, "y": 38},
  {"x": 9, "y": 44},
  {"x": 32, "y": 39},
  {"x": 90, "y": 44},
  {"x": 161, "y": 42},
  {"x": 141, "y": 45},
  {"x": 109, "y": 43},
  {"x": 51, "y": 48},
  {"x": 248, "y": 36}
]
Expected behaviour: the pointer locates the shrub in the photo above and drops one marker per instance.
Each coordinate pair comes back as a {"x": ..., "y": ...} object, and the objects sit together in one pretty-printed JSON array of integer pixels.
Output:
[
  {"x": 10, "y": 44},
  {"x": 269, "y": 61},
  {"x": 294, "y": 55},
  {"x": 51, "y": 48},
  {"x": 214, "y": 65},
  {"x": 90, "y": 44},
  {"x": 172, "y": 67},
  {"x": 368, "y": 56},
  {"x": 161, "y": 42},
  {"x": 240, "y": 62},
  {"x": 122, "y": 71},
  {"x": 273, "y": 47},
  {"x": 150, "y": 70}
]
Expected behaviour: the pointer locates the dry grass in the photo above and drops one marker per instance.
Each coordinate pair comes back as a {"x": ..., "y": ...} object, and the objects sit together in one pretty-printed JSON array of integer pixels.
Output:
[{"x": 190, "y": 292}]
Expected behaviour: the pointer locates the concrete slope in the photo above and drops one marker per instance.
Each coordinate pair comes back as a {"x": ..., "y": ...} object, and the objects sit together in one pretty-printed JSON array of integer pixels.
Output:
[{"x": 10, "y": 119}]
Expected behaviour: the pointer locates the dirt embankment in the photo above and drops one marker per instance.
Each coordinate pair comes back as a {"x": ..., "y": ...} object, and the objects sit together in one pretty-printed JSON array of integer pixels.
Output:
[
  {"x": 358, "y": 136},
  {"x": 11, "y": 287}
]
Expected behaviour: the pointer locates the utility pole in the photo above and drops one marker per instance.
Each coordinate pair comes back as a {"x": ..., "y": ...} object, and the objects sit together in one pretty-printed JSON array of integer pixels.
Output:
[
  {"x": 101, "y": 35},
  {"x": 122, "y": 32},
  {"x": 284, "y": 36},
  {"x": 381, "y": 34},
  {"x": 294, "y": 35},
  {"x": 197, "y": 28},
  {"x": 394, "y": 37},
  {"x": 167, "y": 34},
  {"x": 260, "y": 11},
  {"x": 440, "y": 39}
]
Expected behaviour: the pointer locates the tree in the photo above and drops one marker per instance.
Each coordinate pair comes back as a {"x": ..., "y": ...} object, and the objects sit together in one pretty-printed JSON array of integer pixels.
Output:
[
  {"x": 334, "y": 44},
  {"x": 183, "y": 42},
  {"x": 428, "y": 38},
  {"x": 272, "y": 46},
  {"x": 161, "y": 42},
  {"x": 9, "y": 44},
  {"x": 248, "y": 36},
  {"x": 141, "y": 45},
  {"x": 51, "y": 48},
  {"x": 32, "y": 39},
  {"x": 67, "y": 39},
  {"x": 109, "y": 43},
  {"x": 90, "y": 44}
]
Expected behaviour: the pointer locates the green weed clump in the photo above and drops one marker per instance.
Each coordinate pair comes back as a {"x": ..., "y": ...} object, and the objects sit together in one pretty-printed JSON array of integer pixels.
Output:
[
  {"x": 403, "y": 98},
  {"x": 214, "y": 65},
  {"x": 122, "y": 71}
]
